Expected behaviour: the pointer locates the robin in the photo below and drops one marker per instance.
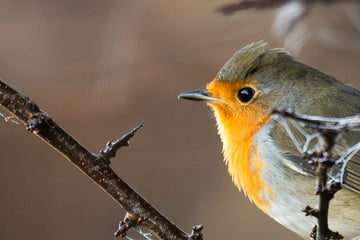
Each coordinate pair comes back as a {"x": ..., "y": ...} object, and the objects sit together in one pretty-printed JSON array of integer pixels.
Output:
[{"x": 264, "y": 153}]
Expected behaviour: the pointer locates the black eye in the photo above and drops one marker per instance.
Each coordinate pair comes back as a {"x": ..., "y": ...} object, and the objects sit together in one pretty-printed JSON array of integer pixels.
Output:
[{"x": 246, "y": 94}]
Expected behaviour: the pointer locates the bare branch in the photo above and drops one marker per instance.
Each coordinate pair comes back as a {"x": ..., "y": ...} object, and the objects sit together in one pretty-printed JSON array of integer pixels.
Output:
[{"x": 39, "y": 123}]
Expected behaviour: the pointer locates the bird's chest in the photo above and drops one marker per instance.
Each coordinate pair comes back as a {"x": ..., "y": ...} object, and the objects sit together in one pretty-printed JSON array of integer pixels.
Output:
[{"x": 291, "y": 190}]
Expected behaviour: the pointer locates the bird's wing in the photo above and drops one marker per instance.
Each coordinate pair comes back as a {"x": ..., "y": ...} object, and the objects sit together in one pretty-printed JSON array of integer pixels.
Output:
[
  {"x": 351, "y": 157},
  {"x": 295, "y": 141}
]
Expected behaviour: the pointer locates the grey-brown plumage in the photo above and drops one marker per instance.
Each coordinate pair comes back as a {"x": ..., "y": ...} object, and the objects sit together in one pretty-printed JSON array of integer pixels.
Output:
[
  {"x": 299, "y": 87},
  {"x": 264, "y": 153},
  {"x": 285, "y": 83}
]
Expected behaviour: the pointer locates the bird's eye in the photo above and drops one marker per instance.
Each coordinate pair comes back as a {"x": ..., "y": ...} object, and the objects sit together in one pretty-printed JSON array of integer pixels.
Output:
[{"x": 246, "y": 94}]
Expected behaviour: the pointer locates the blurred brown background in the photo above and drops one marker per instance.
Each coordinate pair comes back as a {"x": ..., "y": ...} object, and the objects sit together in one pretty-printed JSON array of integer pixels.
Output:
[{"x": 101, "y": 67}]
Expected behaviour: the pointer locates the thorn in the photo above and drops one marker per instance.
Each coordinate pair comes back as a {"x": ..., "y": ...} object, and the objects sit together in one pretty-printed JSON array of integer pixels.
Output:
[
  {"x": 313, "y": 233},
  {"x": 128, "y": 222},
  {"x": 137, "y": 128},
  {"x": 309, "y": 211},
  {"x": 196, "y": 233},
  {"x": 112, "y": 147}
]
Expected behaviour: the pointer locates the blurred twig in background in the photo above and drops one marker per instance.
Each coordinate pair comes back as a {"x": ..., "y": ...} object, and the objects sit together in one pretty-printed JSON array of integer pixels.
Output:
[
  {"x": 289, "y": 27},
  {"x": 262, "y": 4}
]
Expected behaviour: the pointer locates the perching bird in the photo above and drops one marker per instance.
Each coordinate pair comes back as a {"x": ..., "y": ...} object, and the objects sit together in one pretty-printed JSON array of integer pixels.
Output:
[{"x": 264, "y": 153}]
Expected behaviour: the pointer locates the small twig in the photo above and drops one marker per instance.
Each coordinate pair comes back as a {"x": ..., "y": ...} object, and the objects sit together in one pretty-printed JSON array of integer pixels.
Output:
[
  {"x": 325, "y": 189},
  {"x": 309, "y": 211},
  {"x": 323, "y": 231},
  {"x": 322, "y": 123},
  {"x": 112, "y": 147}
]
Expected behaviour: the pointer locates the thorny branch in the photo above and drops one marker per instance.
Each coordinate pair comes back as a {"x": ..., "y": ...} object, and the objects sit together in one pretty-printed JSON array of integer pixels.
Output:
[
  {"x": 331, "y": 130},
  {"x": 94, "y": 166}
]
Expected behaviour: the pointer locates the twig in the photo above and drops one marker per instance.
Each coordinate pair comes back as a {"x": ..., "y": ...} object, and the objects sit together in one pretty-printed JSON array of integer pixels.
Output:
[
  {"x": 325, "y": 189},
  {"x": 335, "y": 125},
  {"x": 231, "y": 8},
  {"x": 39, "y": 123},
  {"x": 330, "y": 130},
  {"x": 112, "y": 147}
]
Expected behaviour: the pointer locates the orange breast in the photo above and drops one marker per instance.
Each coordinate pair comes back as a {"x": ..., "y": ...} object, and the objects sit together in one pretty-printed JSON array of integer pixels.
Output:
[{"x": 237, "y": 125}]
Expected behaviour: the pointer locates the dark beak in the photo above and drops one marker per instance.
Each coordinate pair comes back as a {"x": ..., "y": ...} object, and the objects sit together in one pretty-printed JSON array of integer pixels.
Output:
[{"x": 198, "y": 95}]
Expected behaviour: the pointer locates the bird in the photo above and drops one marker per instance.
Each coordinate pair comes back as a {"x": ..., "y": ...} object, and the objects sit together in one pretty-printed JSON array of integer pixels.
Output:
[{"x": 264, "y": 153}]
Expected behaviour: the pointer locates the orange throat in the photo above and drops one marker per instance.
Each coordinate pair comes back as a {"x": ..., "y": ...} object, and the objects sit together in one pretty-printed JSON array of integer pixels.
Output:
[{"x": 237, "y": 129}]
